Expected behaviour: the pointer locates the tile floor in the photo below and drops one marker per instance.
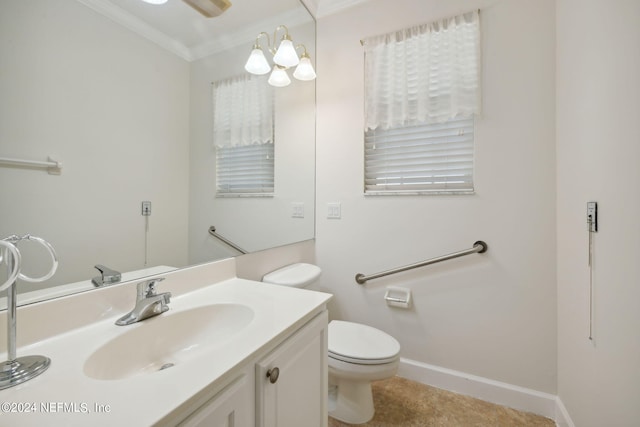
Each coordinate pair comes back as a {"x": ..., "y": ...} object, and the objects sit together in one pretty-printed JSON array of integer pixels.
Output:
[{"x": 403, "y": 403}]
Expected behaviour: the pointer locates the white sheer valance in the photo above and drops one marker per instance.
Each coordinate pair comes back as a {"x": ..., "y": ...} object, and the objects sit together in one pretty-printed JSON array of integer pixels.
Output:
[
  {"x": 242, "y": 111},
  {"x": 424, "y": 74}
]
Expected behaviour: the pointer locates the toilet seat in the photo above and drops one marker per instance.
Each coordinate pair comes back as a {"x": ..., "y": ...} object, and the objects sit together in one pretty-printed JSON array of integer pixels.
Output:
[{"x": 361, "y": 344}]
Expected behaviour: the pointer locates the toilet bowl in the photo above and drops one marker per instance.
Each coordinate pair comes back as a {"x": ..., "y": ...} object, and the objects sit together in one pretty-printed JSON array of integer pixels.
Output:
[{"x": 358, "y": 354}]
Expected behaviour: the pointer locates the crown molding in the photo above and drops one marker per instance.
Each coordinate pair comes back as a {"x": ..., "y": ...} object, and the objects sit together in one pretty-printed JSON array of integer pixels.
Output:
[
  {"x": 312, "y": 6},
  {"x": 138, "y": 26},
  {"x": 329, "y": 7},
  {"x": 246, "y": 36},
  {"x": 242, "y": 36}
]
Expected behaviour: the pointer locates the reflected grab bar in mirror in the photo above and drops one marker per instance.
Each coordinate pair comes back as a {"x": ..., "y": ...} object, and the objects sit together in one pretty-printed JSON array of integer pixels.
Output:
[
  {"x": 212, "y": 231},
  {"x": 478, "y": 247},
  {"x": 53, "y": 166}
]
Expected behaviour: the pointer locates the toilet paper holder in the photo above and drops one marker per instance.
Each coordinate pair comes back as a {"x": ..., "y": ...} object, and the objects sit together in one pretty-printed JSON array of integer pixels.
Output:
[{"x": 398, "y": 297}]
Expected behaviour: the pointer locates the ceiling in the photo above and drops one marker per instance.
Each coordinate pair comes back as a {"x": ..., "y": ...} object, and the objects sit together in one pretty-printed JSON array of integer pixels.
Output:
[{"x": 181, "y": 29}]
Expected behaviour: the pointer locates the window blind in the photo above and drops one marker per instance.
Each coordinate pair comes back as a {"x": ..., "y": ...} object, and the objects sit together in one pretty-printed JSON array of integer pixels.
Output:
[
  {"x": 245, "y": 170},
  {"x": 243, "y": 136},
  {"x": 427, "y": 158},
  {"x": 422, "y": 91}
]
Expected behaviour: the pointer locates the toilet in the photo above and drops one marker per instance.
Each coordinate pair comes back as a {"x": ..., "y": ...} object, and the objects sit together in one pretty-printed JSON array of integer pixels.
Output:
[{"x": 358, "y": 354}]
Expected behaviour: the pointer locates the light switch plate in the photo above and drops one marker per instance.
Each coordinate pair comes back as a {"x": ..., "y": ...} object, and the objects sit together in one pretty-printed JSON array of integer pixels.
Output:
[
  {"x": 334, "y": 210},
  {"x": 297, "y": 210}
]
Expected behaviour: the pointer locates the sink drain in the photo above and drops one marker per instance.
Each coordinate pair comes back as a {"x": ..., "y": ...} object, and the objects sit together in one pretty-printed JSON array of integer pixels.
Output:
[{"x": 165, "y": 366}]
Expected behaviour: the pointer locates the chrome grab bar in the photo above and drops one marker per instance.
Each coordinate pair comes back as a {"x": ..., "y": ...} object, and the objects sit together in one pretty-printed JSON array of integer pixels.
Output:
[
  {"x": 478, "y": 247},
  {"x": 53, "y": 166},
  {"x": 212, "y": 231}
]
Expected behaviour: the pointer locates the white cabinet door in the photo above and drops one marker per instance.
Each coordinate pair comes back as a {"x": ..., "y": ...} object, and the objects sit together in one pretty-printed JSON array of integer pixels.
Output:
[
  {"x": 291, "y": 382},
  {"x": 232, "y": 407}
]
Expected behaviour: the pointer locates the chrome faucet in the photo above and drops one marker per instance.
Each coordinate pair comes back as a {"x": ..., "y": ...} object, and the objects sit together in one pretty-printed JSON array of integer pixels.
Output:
[
  {"x": 107, "y": 276},
  {"x": 148, "y": 303}
]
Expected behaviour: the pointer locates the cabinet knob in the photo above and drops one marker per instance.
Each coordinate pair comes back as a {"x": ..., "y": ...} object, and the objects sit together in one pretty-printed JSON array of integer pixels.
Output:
[{"x": 273, "y": 375}]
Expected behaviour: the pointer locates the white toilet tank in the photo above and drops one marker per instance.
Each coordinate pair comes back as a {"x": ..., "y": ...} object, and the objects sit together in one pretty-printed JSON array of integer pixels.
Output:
[{"x": 299, "y": 275}]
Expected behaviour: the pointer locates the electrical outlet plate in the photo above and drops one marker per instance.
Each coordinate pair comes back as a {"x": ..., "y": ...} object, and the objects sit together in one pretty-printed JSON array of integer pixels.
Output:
[
  {"x": 146, "y": 209},
  {"x": 592, "y": 216}
]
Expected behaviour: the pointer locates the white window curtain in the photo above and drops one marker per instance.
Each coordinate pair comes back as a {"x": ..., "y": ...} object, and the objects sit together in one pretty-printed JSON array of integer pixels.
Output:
[
  {"x": 242, "y": 111},
  {"x": 243, "y": 137},
  {"x": 424, "y": 74},
  {"x": 422, "y": 90}
]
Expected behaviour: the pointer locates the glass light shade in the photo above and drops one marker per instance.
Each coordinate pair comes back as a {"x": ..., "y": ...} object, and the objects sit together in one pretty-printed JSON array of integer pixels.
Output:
[
  {"x": 286, "y": 55},
  {"x": 279, "y": 77},
  {"x": 304, "y": 71},
  {"x": 155, "y": 1},
  {"x": 257, "y": 63}
]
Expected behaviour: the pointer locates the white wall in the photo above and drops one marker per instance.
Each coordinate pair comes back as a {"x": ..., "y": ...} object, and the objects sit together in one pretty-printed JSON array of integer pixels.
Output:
[
  {"x": 598, "y": 148},
  {"x": 492, "y": 315},
  {"x": 114, "y": 109}
]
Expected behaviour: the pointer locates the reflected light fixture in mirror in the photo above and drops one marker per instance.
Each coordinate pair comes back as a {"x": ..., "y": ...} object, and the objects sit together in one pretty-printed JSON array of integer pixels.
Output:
[
  {"x": 284, "y": 57},
  {"x": 304, "y": 71},
  {"x": 279, "y": 77}
]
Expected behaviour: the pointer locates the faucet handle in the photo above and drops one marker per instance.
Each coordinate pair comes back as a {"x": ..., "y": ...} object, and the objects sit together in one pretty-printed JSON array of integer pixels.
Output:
[
  {"x": 148, "y": 287},
  {"x": 107, "y": 276}
]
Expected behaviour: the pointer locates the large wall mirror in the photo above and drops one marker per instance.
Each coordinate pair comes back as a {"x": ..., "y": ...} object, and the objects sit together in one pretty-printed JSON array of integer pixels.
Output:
[{"x": 120, "y": 92}]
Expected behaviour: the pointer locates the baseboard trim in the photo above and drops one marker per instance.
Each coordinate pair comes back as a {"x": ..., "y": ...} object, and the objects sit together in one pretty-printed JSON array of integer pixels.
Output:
[
  {"x": 562, "y": 415},
  {"x": 516, "y": 397}
]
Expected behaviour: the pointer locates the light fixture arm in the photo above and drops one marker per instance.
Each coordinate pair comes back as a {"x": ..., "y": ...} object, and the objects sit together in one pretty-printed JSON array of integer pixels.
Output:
[
  {"x": 257, "y": 45},
  {"x": 286, "y": 35},
  {"x": 272, "y": 47},
  {"x": 304, "y": 51},
  {"x": 285, "y": 56}
]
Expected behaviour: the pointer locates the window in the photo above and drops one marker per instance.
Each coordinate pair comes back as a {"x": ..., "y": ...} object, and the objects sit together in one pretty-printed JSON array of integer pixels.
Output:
[
  {"x": 243, "y": 136},
  {"x": 420, "y": 159},
  {"x": 422, "y": 91},
  {"x": 244, "y": 170}
]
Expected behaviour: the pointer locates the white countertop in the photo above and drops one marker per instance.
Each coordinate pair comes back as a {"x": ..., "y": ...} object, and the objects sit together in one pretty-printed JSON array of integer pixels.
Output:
[{"x": 64, "y": 396}]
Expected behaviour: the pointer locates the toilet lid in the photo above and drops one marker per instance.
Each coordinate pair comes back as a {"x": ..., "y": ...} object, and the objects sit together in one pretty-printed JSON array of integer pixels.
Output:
[
  {"x": 356, "y": 343},
  {"x": 298, "y": 275}
]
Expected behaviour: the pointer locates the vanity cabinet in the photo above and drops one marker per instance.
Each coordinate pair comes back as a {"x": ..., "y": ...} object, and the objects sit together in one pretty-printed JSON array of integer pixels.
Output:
[
  {"x": 231, "y": 407},
  {"x": 291, "y": 381},
  {"x": 283, "y": 386}
]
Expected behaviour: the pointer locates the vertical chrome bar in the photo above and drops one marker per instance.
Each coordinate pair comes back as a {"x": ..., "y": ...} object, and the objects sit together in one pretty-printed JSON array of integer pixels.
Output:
[
  {"x": 589, "y": 222},
  {"x": 12, "y": 296}
]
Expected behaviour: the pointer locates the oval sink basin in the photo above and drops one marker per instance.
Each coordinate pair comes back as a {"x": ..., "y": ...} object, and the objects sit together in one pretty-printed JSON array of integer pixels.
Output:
[{"x": 167, "y": 340}]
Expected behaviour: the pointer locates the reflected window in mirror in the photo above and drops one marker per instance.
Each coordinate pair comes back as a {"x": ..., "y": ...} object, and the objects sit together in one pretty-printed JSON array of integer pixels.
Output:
[
  {"x": 243, "y": 136},
  {"x": 245, "y": 170}
]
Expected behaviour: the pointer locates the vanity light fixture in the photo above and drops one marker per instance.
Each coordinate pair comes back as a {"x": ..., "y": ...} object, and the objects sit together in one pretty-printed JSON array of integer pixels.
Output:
[
  {"x": 279, "y": 77},
  {"x": 155, "y": 1},
  {"x": 284, "y": 57}
]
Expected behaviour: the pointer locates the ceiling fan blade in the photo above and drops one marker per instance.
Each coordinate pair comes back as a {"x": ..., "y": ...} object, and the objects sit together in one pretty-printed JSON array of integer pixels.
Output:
[{"x": 209, "y": 8}]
